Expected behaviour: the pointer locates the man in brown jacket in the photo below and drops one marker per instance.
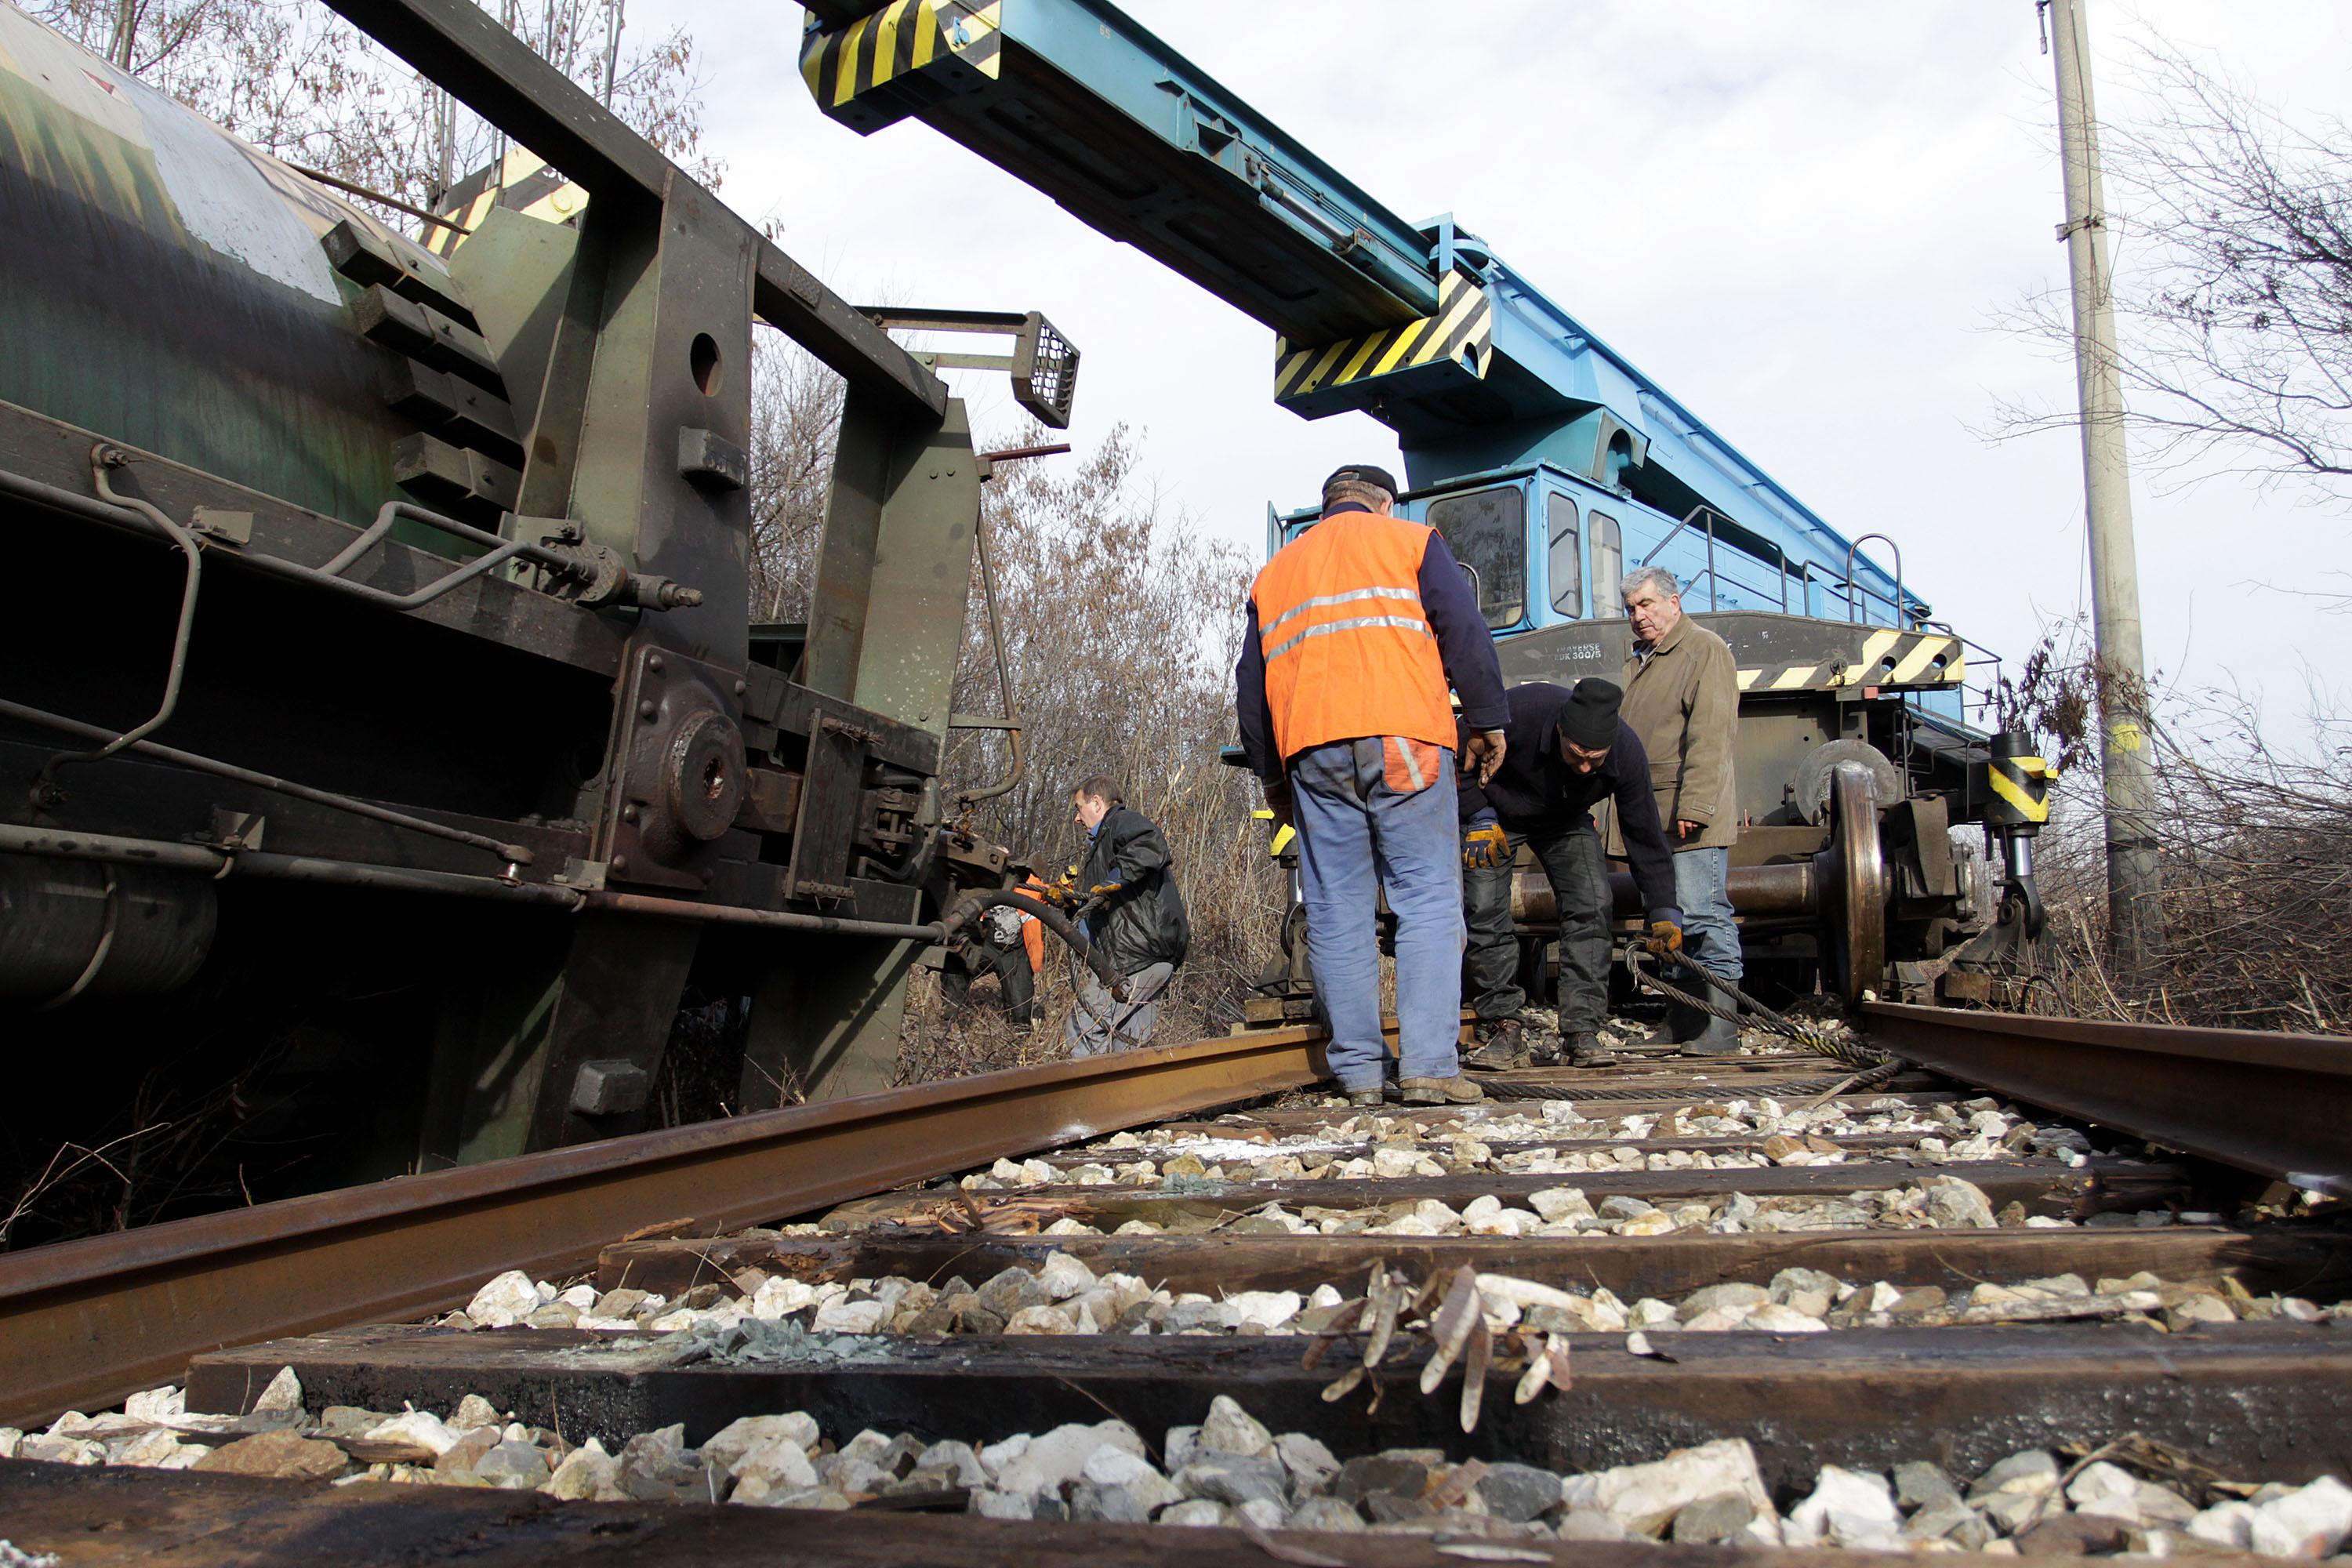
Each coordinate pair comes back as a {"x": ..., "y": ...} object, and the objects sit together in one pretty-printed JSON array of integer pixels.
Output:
[{"x": 1682, "y": 698}]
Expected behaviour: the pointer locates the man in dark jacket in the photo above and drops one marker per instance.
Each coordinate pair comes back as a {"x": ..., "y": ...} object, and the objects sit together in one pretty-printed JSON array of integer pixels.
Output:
[
  {"x": 1563, "y": 753},
  {"x": 1140, "y": 924}
]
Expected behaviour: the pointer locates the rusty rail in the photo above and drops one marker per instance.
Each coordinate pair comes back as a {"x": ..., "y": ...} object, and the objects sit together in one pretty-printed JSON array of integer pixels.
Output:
[
  {"x": 85, "y": 1323},
  {"x": 2278, "y": 1104}
]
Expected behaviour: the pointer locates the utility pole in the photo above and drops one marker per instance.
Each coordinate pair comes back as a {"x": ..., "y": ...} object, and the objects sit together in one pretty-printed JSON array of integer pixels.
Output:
[{"x": 2134, "y": 919}]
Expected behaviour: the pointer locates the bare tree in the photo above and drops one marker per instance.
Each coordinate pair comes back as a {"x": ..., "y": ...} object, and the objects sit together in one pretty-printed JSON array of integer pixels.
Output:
[
  {"x": 1120, "y": 621},
  {"x": 795, "y": 416},
  {"x": 298, "y": 81},
  {"x": 2234, "y": 285}
]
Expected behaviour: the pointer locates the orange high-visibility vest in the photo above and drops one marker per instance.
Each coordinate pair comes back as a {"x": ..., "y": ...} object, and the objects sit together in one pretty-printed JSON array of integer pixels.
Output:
[{"x": 1348, "y": 650}]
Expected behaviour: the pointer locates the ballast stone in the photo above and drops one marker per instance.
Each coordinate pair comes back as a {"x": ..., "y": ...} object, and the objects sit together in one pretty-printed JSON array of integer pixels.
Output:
[
  {"x": 280, "y": 1454},
  {"x": 2311, "y": 1521},
  {"x": 1230, "y": 1429},
  {"x": 1041, "y": 1465},
  {"x": 1847, "y": 1508},
  {"x": 2032, "y": 1473},
  {"x": 1644, "y": 1499},
  {"x": 509, "y": 1298}
]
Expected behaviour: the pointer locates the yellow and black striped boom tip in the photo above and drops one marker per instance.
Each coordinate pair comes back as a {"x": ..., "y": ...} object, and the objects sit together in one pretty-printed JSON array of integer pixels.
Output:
[
  {"x": 889, "y": 63},
  {"x": 1886, "y": 657},
  {"x": 1460, "y": 337}
]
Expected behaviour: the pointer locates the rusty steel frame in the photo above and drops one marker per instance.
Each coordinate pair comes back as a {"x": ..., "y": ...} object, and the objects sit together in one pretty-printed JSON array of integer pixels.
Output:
[
  {"x": 464, "y": 49},
  {"x": 2276, "y": 1104},
  {"x": 85, "y": 1323}
]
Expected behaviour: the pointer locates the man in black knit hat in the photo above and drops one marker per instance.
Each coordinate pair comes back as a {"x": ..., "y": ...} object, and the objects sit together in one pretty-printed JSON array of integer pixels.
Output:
[{"x": 1564, "y": 750}]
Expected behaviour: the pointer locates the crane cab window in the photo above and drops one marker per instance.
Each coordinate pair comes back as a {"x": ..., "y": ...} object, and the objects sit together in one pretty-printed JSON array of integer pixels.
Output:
[
  {"x": 1564, "y": 564},
  {"x": 1487, "y": 531},
  {"x": 1608, "y": 562}
]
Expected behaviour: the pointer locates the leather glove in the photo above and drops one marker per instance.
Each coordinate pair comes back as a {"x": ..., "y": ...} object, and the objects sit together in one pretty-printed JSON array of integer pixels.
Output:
[
  {"x": 1484, "y": 849},
  {"x": 1104, "y": 889},
  {"x": 1665, "y": 937}
]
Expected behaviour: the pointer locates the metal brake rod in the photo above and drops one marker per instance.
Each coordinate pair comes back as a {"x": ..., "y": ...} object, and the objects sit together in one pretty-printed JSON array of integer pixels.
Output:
[
  {"x": 513, "y": 854},
  {"x": 68, "y": 844}
]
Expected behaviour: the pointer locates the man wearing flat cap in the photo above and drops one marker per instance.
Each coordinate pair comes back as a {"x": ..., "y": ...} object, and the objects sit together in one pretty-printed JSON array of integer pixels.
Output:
[
  {"x": 1356, "y": 630},
  {"x": 1564, "y": 751}
]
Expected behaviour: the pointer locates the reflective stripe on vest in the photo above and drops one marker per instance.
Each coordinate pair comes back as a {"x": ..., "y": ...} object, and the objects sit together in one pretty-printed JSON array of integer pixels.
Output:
[{"x": 1348, "y": 650}]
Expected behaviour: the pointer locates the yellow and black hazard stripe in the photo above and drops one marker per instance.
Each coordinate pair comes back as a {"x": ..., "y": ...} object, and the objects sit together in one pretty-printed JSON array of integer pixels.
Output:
[
  {"x": 1886, "y": 657},
  {"x": 1462, "y": 333},
  {"x": 2021, "y": 790},
  {"x": 519, "y": 182},
  {"x": 899, "y": 40}
]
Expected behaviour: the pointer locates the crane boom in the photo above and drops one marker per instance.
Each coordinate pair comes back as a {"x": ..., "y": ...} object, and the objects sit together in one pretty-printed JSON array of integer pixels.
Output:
[{"x": 1418, "y": 324}]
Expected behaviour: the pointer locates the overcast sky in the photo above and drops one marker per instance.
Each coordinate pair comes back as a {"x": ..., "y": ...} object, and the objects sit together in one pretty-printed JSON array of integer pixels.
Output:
[{"x": 1803, "y": 219}]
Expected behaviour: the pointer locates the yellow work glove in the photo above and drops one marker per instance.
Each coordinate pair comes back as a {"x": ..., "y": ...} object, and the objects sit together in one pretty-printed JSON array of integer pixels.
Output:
[
  {"x": 1665, "y": 937},
  {"x": 1484, "y": 849}
]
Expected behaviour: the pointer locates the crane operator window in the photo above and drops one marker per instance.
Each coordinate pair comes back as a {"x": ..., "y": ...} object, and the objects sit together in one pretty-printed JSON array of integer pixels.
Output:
[
  {"x": 1487, "y": 531},
  {"x": 1608, "y": 562},
  {"x": 1565, "y": 566}
]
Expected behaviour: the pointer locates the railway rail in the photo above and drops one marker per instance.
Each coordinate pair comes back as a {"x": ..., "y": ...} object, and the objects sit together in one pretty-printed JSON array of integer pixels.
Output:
[{"x": 2104, "y": 1258}]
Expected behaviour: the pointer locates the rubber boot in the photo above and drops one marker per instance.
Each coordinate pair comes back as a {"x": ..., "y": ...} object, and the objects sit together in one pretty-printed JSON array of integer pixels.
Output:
[
  {"x": 1683, "y": 1023},
  {"x": 1719, "y": 1038}
]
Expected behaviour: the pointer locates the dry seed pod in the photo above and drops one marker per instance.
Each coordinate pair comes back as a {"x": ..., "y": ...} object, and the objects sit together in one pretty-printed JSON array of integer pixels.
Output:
[
  {"x": 1555, "y": 1356},
  {"x": 1345, "y": 1387},
  {"x": 1348, "y": 1315},
  {"x": 1384, "y": 1321},
  {"x": 1452, "y": 1328},
  {"x": 1473, "y": 1370}
]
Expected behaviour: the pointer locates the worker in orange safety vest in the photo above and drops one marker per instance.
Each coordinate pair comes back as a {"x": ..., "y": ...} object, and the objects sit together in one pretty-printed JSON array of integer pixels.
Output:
[{"x": 1356, "y": 630}]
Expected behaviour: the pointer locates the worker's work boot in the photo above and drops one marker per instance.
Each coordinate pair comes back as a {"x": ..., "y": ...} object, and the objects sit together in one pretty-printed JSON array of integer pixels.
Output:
[
  {"x": 1454, "y": 1090},
  {"x": 1367, "y": 1095},
  {"x": 1719, "y": 1038},
  {"x": 1506, "y": 1047},
  {"x": 1585, "y": 1051}
]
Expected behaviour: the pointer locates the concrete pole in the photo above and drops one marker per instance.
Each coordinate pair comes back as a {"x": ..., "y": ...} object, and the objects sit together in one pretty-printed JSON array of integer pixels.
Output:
[{"x": 2135, "y": 920}]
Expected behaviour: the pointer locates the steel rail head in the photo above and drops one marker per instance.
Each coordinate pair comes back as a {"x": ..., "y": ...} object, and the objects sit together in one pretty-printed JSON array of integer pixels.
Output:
[
  {"x": 2275, "y": 1104},
  {"x": 84, "y": 1323}
]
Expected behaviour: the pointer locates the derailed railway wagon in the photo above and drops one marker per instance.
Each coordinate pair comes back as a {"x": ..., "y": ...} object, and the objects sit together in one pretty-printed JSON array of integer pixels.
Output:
[{"x": 384, "y": 728}]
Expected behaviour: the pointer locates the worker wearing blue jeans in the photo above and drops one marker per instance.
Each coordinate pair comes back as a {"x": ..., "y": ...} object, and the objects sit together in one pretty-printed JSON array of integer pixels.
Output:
[
  {"x": 1355, "y": 632},
  {"x": 1355, "y": 836}
]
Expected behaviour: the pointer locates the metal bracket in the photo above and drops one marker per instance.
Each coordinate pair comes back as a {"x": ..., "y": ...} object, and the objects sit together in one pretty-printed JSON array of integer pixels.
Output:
[
  {"x": 221, "y": 525},
  {"x": 1044, "y": 363}
]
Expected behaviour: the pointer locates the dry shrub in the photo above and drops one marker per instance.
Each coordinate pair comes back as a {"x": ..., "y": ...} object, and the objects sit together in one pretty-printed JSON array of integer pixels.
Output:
[{"x": 2255, "y": 856}]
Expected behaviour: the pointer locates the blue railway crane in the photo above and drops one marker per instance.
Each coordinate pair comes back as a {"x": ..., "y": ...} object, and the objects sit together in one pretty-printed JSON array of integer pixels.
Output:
[{"x": 1548, "y": 459}]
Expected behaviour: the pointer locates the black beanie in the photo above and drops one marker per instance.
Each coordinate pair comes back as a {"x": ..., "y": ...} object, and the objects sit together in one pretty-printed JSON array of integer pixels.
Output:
[{"x": 1588, "y": 717}]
